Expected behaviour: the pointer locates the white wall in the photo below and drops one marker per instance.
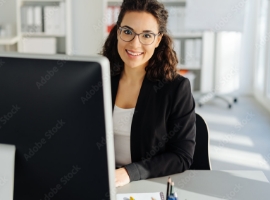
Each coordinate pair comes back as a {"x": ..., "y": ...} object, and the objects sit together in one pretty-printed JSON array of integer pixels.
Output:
[
  {"x": 88, "y": 26},
  {"x": 8, "y": 13}
]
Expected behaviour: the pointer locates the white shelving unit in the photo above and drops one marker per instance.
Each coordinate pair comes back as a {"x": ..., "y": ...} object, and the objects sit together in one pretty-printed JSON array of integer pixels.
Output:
[
  {"x": 204, "y": 61},
  {"x": 63, "y": 40},
  {"x": 203, "y": 72}
]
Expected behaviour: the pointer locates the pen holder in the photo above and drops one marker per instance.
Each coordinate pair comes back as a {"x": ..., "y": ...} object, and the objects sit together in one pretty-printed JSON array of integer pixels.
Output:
[{"x": 172, "y": 197}]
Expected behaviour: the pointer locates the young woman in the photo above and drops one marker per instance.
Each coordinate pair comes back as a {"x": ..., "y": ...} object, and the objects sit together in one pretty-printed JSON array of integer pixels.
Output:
[{"x": 153, "y": 108}]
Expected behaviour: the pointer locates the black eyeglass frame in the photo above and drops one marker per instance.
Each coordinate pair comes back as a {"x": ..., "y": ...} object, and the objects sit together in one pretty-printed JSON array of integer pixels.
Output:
[{"x": 135, "y": 34}]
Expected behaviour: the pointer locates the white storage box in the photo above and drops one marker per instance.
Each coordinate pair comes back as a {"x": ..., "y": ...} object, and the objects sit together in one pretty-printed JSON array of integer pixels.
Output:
[{"x": 39, "y": 45}]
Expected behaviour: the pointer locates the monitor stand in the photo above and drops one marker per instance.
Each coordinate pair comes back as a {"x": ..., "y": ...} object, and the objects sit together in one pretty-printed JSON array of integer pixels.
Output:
[{"x": 7, "y": 160}]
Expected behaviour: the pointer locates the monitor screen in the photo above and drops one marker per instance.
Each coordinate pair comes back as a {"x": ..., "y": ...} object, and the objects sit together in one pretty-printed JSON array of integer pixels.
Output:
[{"x": 57, "y": 111}]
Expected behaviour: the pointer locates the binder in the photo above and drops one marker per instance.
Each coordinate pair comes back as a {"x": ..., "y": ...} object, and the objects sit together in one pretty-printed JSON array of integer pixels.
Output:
[
  {"x": 109, "y": 18},
  {"x": 38, "y": 19},
  {"x": 30, "y": 19},
  {"x": 49, "y": 18},
  {"x": 47, "y": 22},
  {"x": 62, "y": 18},
  {"x": 172, "y": 20},
  {"x": 198, "y": 49},
  {"x": 180, "y": 15},
  {"x": 189, "y": 53},
  {"x": 177, "y": 49},
  {"x": 57, "y": 20},
  {"x": 116, "y": 11},
  {"x": 24, "y": 19}
]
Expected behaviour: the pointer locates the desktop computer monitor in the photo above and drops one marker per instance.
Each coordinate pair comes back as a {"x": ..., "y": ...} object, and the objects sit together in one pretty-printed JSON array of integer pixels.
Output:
[{"x": 57, "y": 111}]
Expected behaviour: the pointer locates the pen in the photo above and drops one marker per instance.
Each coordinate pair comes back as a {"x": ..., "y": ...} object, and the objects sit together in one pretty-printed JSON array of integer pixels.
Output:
[
  {"x": 172, "y": 189},
  {"x": 168, "y": 188}
]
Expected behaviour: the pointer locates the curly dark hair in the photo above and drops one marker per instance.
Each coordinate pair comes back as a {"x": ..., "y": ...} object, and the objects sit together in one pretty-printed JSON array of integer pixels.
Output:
[{"x": 162, "y": 65}]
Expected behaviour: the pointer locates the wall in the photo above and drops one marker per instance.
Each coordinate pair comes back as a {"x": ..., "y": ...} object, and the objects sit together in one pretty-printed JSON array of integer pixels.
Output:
[
  {"x": 88, "y": 26},
  {"x": 8, "y": 14}
]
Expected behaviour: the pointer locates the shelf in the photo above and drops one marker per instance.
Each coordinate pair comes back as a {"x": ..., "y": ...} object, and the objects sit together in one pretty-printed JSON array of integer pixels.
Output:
[
  {"x": 184, "y": 67},
  {"x": 41, "y": 35},
  {"x": 9, "y": 40},
  {"x": 174, "y": 3},
  {"x": 188, "y": 35},
  {"x": 42, "y": 1},
  {"x": 63, "y": 39},
  {"x": 165, "y": 2},
  {"x": 115, "y": 1}
]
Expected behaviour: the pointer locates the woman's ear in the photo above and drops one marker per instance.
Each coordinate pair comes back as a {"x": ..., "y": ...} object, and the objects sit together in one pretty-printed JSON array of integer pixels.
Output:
[
  {"x": 159, "y": 38},
  {"x": 118, "y": 33}
]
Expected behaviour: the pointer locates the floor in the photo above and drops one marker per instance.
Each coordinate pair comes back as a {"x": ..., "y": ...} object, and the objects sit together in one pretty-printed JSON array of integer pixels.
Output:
[{"x": 240, "y": 136}]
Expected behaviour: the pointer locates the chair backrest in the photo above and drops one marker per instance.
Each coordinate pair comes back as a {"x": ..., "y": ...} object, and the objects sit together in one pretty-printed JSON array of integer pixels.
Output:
[{"x": 201, "y": 158}]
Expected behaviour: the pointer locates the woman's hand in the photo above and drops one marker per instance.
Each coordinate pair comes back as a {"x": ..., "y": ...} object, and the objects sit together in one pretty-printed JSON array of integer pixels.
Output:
[{"x": 121, "y": 177}]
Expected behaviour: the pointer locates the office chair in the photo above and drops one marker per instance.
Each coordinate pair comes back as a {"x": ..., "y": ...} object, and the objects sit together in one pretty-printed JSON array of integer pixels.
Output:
[
  {"x": 211, "y": 95},
  {"x": 201, "y": 158}
]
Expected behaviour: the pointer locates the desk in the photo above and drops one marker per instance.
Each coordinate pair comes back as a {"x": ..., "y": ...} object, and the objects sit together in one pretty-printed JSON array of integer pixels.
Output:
[{"x": 208, "y": 185}]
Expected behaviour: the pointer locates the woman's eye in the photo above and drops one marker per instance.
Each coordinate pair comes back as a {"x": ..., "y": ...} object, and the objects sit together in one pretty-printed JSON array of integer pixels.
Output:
[
  {"x": 147, "y": 35},
  {"x": 128, "y": 32}
]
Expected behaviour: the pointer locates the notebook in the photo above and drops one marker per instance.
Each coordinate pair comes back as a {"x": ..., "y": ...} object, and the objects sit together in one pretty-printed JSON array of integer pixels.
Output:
[{"x": 139, "y": 196}]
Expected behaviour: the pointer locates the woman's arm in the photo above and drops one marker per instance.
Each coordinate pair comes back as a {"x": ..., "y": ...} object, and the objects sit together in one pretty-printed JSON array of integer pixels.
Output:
[{"x": 179, "y": 141}]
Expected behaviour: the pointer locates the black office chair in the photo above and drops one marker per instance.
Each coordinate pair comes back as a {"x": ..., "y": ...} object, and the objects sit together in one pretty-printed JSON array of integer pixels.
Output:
[{"x": 201, "y": 159}]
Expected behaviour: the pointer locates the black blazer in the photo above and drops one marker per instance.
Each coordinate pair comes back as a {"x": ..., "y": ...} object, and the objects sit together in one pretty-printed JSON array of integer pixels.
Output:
[{"x": 163, "y": 130}]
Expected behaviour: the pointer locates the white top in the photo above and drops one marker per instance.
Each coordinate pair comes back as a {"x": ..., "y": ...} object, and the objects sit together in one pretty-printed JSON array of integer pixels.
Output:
[{"x": 122, "y": 119}]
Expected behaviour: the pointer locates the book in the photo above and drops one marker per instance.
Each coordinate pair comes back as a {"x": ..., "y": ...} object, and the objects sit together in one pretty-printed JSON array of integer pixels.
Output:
[{"x": 144, "y": 196}]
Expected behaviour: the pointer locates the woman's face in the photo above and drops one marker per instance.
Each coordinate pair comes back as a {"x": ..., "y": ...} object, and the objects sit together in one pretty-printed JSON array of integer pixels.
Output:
[{"x": 135, "y": 54}]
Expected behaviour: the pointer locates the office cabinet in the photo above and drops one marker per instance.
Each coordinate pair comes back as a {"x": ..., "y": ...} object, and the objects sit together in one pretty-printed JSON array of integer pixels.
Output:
[{"x": 44, "y": 25}]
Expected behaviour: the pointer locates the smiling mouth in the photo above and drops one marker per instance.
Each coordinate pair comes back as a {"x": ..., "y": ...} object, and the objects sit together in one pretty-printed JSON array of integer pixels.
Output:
[{"x": 133, "y": 54}]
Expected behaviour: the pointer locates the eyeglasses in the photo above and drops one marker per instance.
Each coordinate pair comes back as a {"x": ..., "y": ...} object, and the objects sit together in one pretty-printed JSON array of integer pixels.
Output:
[{"x": 128, "y": 35}]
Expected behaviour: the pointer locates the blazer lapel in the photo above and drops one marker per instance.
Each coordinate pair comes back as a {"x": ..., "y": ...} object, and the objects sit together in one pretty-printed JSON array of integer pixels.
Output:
[
  {"x": 114, "y": 87},
  {"x": 136, "y": 135}
]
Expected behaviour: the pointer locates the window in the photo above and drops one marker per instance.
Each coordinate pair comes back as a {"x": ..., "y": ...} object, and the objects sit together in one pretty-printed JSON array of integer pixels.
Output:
[{"x": 261, "y": 46}]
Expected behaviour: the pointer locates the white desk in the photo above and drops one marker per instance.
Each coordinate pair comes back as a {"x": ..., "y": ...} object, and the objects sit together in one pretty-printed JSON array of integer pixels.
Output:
[{"x": 208, "y": 185}]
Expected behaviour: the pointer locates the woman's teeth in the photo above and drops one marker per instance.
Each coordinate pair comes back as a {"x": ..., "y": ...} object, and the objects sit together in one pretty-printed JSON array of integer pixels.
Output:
[{"x": 134, "y": 54}]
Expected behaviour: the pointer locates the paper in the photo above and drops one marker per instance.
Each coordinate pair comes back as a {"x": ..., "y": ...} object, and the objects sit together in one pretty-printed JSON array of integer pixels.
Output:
[{"x": 140, "y": 196}]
